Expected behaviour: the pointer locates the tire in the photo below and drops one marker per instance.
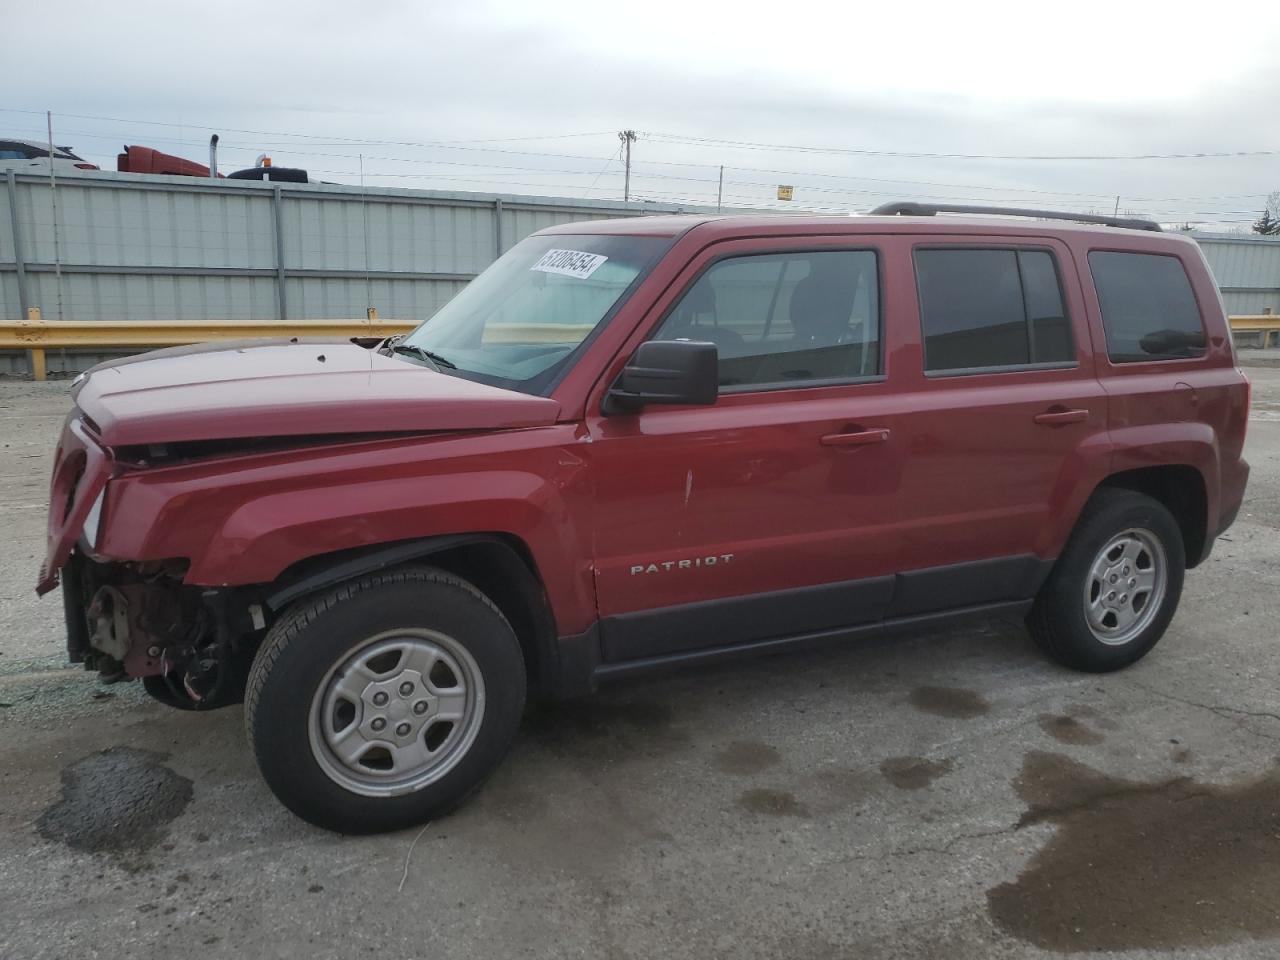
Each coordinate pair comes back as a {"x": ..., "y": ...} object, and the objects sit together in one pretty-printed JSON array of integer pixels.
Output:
[
  {"x": 373, "y": 651},
  {"x": 1085, "y": 633}
]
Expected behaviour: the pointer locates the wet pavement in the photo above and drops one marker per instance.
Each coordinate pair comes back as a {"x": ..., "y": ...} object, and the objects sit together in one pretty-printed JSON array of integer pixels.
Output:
[{"x": 949, "y": 795}]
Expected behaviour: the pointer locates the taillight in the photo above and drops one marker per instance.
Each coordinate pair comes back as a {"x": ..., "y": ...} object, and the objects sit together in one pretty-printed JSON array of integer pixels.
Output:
[{"x": 86, "y": 166}]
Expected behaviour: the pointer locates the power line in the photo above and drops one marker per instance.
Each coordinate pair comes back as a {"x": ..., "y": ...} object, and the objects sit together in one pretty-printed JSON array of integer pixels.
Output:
[
  {"x": 752, "y": 145},
  {"x": 322, "y": 138},
  {"x": 834, "y": 190},
  {"x": 792, "y": 174}
]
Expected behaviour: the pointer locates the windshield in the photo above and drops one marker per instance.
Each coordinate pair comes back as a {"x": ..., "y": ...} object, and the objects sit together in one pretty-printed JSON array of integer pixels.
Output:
[{"x": 519, "y": 322}]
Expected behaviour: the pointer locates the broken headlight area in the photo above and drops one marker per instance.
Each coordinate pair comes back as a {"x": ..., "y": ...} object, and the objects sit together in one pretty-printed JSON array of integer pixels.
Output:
[{"x": 189, "y": 645}]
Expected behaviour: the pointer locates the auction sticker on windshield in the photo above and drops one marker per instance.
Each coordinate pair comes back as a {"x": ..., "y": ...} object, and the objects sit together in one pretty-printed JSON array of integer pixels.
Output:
[{"x": 569, "y": 263}]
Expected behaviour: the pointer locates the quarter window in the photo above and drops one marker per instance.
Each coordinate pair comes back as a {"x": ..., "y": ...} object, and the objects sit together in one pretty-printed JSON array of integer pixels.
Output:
[
  {"x": 1148, "y": 309},
  {"x": 991, "y": 308},
  {"x": 786, "y": 318}
]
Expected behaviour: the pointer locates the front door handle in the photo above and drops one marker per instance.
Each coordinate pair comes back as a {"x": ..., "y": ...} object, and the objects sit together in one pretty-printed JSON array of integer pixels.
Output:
[
  {"x": 1060, "y": 416},
  {"x": 858, "y": 438}
]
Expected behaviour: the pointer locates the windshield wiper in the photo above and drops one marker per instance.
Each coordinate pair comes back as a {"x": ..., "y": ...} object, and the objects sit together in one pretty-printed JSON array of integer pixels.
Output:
[{"x": 434, "y": 359}]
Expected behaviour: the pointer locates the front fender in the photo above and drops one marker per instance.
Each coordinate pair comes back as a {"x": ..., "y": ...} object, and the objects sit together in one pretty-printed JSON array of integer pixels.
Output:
[{"x": 246, "y": 520}]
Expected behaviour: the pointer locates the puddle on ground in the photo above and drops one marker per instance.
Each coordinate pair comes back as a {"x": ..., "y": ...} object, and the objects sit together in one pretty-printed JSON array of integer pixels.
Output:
[
  {"x": 1066, "y": 729},
  {"x": 913, "y": 773},
  {"x": 949, "y": 702},
  {"x": 743, "y": 757},
  {"x": 1132, "y": 865},
  {"x": 118, "y": 800},
  {"x": 774, "y": 803}
]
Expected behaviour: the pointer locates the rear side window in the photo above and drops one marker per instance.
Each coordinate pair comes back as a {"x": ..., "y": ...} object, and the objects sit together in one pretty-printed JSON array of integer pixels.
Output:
[
  {"x": 991, "y": 308},
  {"x": 1148, "y": 309}
]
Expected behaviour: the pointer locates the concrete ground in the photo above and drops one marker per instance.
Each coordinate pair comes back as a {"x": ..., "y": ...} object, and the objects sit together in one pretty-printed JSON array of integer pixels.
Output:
[{"x": 947, "y": 795}]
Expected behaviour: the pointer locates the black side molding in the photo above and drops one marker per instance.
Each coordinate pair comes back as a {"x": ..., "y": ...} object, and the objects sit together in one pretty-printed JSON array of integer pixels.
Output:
[
  {"x": 959, "y": 585},
  {"x": 761, "y": 616},
  {"x": 781, "y": 614},
  {"x": 677, "y": 661}
]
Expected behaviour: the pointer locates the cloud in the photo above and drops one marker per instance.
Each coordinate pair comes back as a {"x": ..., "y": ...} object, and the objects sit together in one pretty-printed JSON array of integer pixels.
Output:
[{"x": 1000, "y": 79}]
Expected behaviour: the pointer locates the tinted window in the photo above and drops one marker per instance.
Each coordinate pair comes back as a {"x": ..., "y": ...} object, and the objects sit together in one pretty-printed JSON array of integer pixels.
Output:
[
  {"x": 17, "y": 151},
  {"x": 1048, "y": 329},
  {"x": 1148, "y": 309},
  {"x": 785, "y": 318},
  {"x": 991, "y": 308}
]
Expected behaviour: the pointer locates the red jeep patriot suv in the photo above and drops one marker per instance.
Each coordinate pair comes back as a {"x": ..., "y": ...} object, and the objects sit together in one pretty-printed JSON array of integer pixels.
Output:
[{"x": 639, "y": 443}]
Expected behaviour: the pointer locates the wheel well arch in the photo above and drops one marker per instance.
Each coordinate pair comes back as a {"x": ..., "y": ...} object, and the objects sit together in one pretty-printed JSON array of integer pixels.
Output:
[
  {"x": 498, "y": 565},
  {"x": 1181, "y": 489}
]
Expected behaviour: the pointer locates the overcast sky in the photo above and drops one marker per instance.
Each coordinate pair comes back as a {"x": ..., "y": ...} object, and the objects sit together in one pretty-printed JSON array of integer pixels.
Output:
[{"x": 319, "y": 83}]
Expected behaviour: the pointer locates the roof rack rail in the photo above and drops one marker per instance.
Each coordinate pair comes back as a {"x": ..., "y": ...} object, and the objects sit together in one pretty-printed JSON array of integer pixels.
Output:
[{"x": 911, "y": 209}]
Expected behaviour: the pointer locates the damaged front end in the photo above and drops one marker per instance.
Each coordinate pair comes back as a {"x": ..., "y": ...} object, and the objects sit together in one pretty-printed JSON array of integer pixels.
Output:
[
  {"x": 131, "y": 619},
  {"x": 139, "y": 620}
]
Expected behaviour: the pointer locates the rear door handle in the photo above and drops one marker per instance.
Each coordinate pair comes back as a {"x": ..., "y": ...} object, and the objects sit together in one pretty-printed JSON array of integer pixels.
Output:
[
  {"x": 858, "y": 438},
  {"x": 1059, "y": 417}
]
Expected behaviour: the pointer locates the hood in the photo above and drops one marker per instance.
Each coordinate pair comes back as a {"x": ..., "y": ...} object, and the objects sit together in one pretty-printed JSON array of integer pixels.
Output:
[{"x": 288, "y": 387}]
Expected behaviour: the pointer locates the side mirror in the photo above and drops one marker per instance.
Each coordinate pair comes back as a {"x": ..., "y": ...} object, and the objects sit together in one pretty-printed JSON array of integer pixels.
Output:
[{"x": 669, "y": 372}]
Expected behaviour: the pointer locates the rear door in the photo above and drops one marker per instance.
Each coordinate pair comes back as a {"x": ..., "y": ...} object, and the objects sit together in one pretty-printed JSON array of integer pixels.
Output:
[
  {"x": 1002, "y": 394},
  {"x": 771, "y": 513}
]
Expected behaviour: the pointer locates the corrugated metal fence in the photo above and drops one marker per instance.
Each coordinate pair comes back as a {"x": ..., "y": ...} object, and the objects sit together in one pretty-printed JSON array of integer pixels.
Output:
[
  {"x": 135, "y": 247},
  {"x": 1247, "y": 269}
]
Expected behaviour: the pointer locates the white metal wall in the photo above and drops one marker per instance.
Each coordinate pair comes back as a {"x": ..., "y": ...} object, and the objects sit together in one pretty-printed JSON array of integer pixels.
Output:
[
  {"x": 135, "y": 247},
  {"x": 1247, "y": 270}
]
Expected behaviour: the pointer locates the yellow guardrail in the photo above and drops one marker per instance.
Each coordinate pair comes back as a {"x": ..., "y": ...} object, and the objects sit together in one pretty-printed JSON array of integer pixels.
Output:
[
  {"x": 37, "y": 335},
  {"x": 1265, "y": 324}
]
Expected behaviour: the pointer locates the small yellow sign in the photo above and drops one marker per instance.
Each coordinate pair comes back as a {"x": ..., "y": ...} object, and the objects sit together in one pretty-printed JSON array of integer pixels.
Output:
[{"x": 785, "y": 192}]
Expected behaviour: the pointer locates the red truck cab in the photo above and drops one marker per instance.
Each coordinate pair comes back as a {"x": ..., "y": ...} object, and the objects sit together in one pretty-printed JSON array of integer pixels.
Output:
[{"x": 639, "y": 443}]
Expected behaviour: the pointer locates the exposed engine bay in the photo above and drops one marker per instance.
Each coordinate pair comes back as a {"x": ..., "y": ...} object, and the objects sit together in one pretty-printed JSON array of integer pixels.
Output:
[{"x": 129, "y": 621}]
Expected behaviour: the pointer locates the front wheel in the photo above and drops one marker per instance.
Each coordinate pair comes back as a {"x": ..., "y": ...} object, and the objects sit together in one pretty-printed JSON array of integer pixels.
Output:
[
  {"x": 1115, "y": 587},
  {"x": 386, "y": 701}
]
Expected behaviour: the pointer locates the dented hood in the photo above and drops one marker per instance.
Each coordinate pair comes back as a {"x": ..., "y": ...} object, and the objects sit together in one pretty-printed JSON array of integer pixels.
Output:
[{"x": 288, "y": 387}]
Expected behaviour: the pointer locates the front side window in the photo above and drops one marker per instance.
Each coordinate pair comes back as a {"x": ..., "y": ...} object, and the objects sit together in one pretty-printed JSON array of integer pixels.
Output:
[
  {"x": 786, "y": 318},
  {"x": 1148, "y": 309},
  {"x": 519, "y": 322},
  {"x": 983, "y": 308}
]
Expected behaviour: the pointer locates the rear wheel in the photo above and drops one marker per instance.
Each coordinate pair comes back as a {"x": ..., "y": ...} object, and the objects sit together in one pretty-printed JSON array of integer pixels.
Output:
[
  {"x": 385, "y": 702},
  {"x": 1115, "y": 587}
]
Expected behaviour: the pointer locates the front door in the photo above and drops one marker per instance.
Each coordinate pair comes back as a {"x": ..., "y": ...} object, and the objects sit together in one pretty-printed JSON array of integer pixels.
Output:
[{"x": 771, "y": 513}]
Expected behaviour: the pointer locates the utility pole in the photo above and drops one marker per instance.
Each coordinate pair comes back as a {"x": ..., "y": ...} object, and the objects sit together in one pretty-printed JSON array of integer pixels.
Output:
[
  {"x": 628, "y": 137},
  {"x": 720, "y": 189},
  {"x": 53, "y": 199},
  {"x": 1117, "y": 210}
]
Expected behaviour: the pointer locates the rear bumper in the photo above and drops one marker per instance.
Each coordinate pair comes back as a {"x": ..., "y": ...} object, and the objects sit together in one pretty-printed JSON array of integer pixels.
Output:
[{"x": 1235, "y": 478}]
